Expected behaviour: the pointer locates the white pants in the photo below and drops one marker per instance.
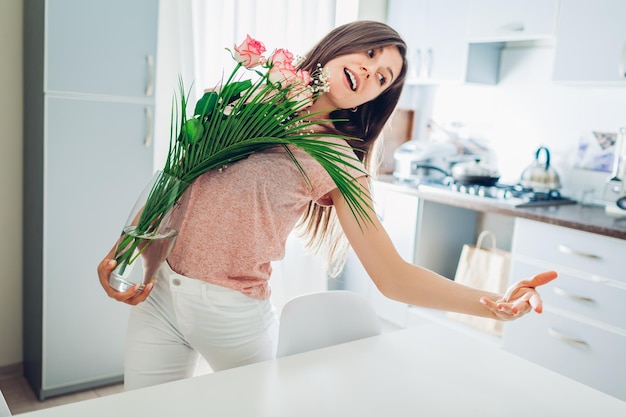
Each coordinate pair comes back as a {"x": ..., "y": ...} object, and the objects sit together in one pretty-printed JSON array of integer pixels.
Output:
[{"x": 184, "y": 318}]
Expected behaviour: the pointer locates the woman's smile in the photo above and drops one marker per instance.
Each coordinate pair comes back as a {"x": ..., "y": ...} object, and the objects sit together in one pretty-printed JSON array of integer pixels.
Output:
[
  {"x": 358, "y": 78},
  {"x": 351, "y": 79}
]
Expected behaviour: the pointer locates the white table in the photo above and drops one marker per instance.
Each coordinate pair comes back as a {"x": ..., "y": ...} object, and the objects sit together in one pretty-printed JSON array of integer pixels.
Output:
[{"x": 427, "y": 370}]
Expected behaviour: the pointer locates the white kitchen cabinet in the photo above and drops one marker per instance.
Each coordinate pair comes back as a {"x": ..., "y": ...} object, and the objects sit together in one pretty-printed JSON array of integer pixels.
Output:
[
  {"x": 582, "y": 332},
  {"x": 87, "y": 155},
  {"x": 423, "y": 232},
  {"x": 512, "y": 20},
  {"x": 398, "y": 214},
  {"x": 591, "y": 46},
  {"x": 493, "y": 23},
  {"x": 435, "y": 32}
]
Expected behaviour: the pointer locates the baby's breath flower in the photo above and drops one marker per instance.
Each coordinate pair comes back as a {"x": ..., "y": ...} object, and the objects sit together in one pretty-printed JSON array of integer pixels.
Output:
[{"x": 321, "y": 79}]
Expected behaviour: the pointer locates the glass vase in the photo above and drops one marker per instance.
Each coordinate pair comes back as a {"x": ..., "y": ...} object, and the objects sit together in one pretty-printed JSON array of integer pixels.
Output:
[{"x": 150, "y": 232}]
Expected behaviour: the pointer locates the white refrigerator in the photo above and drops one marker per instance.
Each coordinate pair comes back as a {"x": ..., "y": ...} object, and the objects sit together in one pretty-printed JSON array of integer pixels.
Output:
[{"x": 89, "y": 70}]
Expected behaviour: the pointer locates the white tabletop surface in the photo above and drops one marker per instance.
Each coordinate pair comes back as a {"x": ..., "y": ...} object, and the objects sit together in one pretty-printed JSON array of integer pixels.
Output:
[{"x": 428, "y": 370}]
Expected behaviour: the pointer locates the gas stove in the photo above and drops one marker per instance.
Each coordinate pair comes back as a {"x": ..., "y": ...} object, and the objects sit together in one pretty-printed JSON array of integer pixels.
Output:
[{"x": 510, "y": 195}]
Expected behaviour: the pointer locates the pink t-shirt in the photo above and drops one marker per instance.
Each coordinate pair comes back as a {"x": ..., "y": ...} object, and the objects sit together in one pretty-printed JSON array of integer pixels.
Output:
[{"x": 239, "y": 218}]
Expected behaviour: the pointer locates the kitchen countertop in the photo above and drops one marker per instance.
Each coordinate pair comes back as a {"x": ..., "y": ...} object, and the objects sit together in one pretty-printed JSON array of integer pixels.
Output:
[{"x": 591, "y": 219}]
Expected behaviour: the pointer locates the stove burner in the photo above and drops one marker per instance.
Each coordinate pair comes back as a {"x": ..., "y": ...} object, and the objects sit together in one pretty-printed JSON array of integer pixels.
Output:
[
  {"x": 543, "y": 195},
  {"x": 513, "y": 194}
]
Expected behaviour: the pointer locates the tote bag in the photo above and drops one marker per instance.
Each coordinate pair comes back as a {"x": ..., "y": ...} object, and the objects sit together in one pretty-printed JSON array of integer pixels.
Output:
[{"x": 486, "y": 269}]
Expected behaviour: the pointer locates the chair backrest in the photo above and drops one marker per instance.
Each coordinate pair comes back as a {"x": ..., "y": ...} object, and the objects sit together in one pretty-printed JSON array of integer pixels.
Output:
[
  {"x": 321, "y": 319},
  {"x": 4, "y": 407}
]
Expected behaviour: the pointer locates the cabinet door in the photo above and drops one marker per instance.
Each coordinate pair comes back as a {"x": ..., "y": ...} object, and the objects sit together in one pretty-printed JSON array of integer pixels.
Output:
[
  {"x": 435, "y": 34},
  {"x": 511, "y": 20},
  {"x": 589, "y": 354},
  {"x": 591, "y": 43},
  {"x": 446, "y": 45},
  {"x": 101, "y": 47},
  {"x": 601, "y": 258},
  {"x": 592, "y": 301},
  {"x": 398, "y": 215},
  {"x": 409, "y": 18},
  {"x": 96, "y": 165},
  {"x": 582, "y": 332}
]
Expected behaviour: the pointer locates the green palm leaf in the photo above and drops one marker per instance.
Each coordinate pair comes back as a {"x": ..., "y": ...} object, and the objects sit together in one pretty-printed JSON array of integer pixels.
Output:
[
  {"x": 231, "y": 124},
  {"x": 254, "y": 126}
]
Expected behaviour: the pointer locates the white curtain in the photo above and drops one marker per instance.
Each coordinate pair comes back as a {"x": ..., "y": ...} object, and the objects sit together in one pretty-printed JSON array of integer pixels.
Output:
[
  {"x": 192, "y": 38},
  {"x": 194, "y": 33},
  {"x": 175, "y": 50},
  {"x": 292, "y": 24}
]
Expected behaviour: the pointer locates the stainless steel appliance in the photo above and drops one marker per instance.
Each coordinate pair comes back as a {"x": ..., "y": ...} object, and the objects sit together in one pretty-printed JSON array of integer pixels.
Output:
[{"x": 423, "y": 161}]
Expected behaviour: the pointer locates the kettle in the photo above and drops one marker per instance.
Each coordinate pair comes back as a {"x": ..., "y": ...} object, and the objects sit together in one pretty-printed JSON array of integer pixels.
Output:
[{"x": 540, "y": 175}]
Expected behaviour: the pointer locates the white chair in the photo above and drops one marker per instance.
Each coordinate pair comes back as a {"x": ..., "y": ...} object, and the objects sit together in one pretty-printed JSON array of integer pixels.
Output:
[
  {"x": 321, "y": 319},
  {"x": 4, "y": 407}
]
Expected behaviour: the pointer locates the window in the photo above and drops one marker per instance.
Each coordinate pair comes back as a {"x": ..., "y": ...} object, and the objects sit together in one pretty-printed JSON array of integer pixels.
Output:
[
  {"x": 292, "y": 24},
  {"x": 194, "y": 33}
]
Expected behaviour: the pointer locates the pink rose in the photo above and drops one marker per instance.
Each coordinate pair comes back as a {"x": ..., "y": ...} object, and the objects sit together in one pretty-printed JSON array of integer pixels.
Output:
[
  {"x": 282, "y": 69},
  {"x": 302, "y": 95},
  {"x": 250, "y": 52},
  {"x": 299, "y": 90},
  {"x": 303, "y": 77},
  {"x": 282, "y": 73},
  {"x": 281, "y": 66},
  {"x": 281, "y": 57}
]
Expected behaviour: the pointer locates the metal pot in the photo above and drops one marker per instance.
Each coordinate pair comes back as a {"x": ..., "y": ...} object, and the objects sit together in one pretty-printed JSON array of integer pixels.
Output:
[
  {"x": 474, "y": 172},
  {"x": 540, "y": 175},
  {"x": 418, "y": 159},
  {"x": 427, "y": 170}
]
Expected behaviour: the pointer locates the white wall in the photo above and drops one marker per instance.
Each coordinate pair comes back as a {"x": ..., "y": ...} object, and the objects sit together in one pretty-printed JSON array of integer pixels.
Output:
[
  {"x": 11, "y": 182},
  {"x": 526, "y": 110}
]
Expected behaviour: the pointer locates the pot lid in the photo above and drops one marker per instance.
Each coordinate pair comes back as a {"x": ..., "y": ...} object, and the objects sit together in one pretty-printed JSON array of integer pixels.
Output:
[{"x": 473, "y": 168}]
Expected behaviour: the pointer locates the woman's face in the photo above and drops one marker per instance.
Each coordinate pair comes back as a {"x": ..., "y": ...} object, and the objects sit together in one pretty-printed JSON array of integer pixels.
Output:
[{"x": 360, "y": 77}]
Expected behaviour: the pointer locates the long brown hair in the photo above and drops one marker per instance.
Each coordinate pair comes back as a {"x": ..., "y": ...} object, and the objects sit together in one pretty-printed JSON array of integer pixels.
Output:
[{"x": 319, "y": 224}]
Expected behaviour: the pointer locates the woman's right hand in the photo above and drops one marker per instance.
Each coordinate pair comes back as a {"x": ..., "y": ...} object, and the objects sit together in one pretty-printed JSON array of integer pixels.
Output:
[{"x": 133, "y": 295}]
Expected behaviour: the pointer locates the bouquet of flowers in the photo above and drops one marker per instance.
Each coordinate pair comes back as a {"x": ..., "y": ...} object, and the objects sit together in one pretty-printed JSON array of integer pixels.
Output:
[{"x": 230, "y": 123}]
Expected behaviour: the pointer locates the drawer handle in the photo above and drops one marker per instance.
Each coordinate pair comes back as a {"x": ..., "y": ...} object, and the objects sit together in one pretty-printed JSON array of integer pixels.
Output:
[
  {"x": 622, "y": 64},
  {"x": 569, "y": 251},
  {"x": 150, "y": 82},
  {"x": 567, "y": 339},
  {"x": 566, "y": 294},
  {"x": 147, "y": 140},
  {"x": 418, "y": 62},
  {"x": 512, "y": 27}
]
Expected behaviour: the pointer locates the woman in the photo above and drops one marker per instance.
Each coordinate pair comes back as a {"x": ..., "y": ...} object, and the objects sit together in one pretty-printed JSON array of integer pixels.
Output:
[{"x": 212, "y": 296}]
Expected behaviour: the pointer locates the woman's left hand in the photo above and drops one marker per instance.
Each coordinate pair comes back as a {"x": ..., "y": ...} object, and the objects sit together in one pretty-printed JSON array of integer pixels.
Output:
[{"x": 520, "y": 298}]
